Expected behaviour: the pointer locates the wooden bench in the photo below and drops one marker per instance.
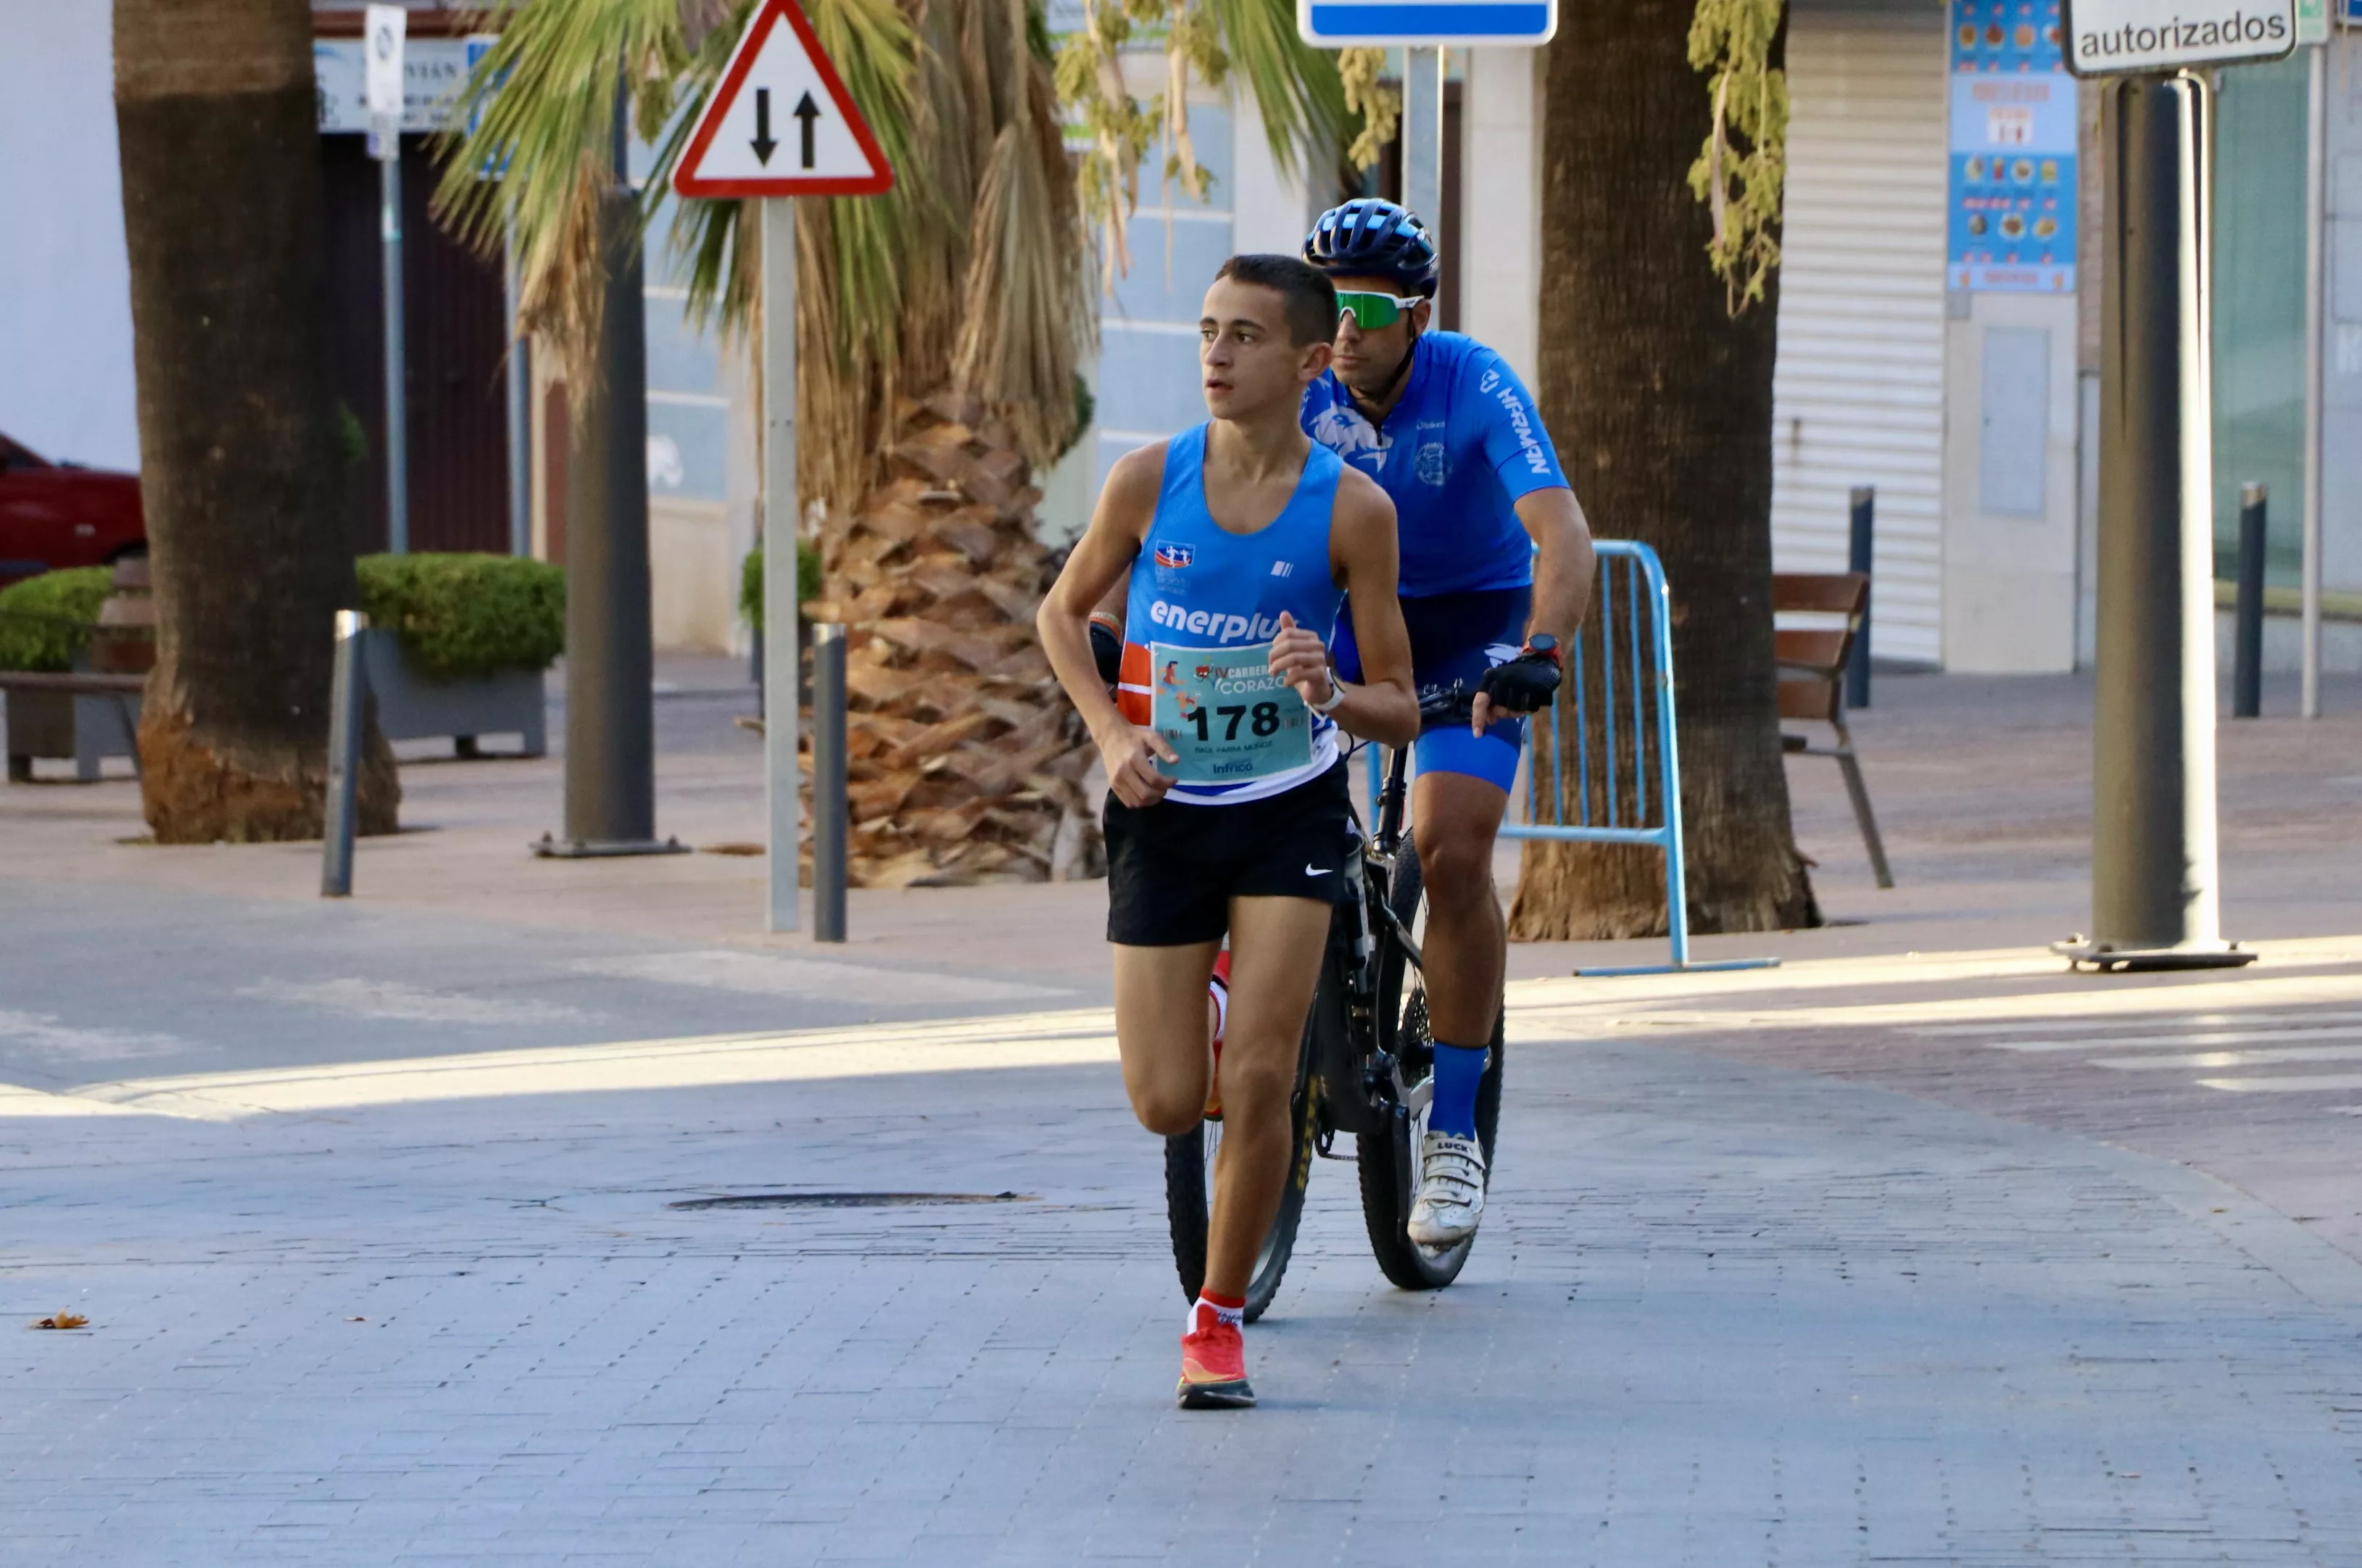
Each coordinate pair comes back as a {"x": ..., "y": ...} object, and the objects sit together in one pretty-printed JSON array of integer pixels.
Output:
[
  {"x": 1812, "y": 680},
  {"x": 122, "y": 694}
]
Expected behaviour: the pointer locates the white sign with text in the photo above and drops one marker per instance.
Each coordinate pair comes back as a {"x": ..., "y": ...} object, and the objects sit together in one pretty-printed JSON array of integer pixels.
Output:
[{"x": 2116, "y": 37}]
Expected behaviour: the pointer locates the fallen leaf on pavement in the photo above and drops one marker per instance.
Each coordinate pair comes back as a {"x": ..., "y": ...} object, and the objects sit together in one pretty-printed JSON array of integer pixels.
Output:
[{"x": 64, "y": 1320}]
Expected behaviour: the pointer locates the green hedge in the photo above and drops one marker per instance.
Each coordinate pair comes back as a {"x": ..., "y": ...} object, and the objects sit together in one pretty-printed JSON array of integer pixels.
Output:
[
  {"x": 43, "y": 619},
  {"x": 750, "y": 582},
  {"x": 459, "y": 615}
]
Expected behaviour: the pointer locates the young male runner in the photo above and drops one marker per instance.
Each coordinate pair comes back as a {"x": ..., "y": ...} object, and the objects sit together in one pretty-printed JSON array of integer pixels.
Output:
[
  {"x": 1496, "y": 567},
  {"x": 1228, "y": 808}
]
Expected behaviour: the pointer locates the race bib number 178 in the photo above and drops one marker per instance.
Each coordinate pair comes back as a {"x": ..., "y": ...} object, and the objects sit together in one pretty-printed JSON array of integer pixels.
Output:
[{"x": 1230, "y": 719}]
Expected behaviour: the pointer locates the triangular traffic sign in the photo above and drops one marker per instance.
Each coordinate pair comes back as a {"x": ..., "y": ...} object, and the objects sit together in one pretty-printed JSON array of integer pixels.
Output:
[{"x": 780, "y": 123}]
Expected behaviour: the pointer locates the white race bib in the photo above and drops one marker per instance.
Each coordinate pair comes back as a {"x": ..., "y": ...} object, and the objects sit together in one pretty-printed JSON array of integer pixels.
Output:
[{"x": 1230, "y": 719}]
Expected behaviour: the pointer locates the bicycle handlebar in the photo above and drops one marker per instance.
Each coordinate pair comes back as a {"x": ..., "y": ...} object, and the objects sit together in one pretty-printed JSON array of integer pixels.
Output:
[{"x": 1447, "y": 705}]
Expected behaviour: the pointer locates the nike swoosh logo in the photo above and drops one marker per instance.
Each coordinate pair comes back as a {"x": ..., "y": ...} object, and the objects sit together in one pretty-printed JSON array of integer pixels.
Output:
[{"x": 1315, "y": 871}]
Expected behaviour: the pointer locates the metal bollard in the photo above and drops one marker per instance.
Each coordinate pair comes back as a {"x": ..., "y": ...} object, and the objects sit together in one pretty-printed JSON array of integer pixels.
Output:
[
  {"x": 344, "y": 757},
  {"x": 832, "y": 830},
  {"x": 2247, "y": 638},
  {"x": 1865, "y": 508}
]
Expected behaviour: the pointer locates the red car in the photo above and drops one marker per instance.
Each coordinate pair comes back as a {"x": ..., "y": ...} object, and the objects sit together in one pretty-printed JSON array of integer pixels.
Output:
[{"x": 62, "y": 515}]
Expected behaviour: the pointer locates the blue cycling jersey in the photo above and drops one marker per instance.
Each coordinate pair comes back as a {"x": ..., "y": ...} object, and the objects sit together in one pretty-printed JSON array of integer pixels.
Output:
[{"x": 1456, "y": 454}]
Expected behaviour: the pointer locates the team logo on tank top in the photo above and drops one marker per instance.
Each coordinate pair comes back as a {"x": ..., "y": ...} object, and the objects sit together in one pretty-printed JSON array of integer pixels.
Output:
[{"x": 1176, "y": 556}]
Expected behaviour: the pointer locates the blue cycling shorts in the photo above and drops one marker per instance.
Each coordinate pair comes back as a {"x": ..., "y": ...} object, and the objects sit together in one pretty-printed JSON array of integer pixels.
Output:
[{"x": 1454, "y": 639}]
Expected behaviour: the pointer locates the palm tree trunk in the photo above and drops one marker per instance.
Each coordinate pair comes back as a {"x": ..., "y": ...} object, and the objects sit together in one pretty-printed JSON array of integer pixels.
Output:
[
  {"x": 216, "y": 119},
  {"x": 965, "y": 760},
  {"x": 1660, "y": 403}
]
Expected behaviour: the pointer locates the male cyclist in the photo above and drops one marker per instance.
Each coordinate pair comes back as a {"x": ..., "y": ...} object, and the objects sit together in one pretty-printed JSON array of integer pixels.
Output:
[
  {"x": 1227, "y": 806},
  {"x": 1496, "y": 567}
]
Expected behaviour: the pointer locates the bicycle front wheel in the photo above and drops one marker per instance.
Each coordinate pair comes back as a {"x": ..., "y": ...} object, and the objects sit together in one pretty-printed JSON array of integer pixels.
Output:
[
  {"x": 1389, "y": 1160},
  {"x": 1189, "y": 1200}
]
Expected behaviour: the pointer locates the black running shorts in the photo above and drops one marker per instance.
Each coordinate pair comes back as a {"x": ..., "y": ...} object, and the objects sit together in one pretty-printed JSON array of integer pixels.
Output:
[{"x": 1172, "y": 869}]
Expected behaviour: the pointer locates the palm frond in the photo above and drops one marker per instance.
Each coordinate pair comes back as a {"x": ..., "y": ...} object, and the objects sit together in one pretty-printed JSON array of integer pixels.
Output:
[
  {"x": 1295, "y": 85},
  {"x": 543, "y": 100},
  {"x": 1020, "y": 332},
  {"x": 1297, "y": 89},
  {"x": 887, "y": 286}
]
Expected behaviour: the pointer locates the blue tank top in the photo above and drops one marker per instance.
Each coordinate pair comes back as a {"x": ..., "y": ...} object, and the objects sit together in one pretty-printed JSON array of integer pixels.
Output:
[{"x": 1204, "y": 606}]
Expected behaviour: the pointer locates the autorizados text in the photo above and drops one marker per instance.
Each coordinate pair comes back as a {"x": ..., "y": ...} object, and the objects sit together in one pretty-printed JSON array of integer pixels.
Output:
[{"x": 2220, "y": 32}]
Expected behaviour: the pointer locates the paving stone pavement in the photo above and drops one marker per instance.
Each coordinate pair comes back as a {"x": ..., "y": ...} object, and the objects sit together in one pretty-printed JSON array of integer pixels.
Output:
[
  {"x": 1721, "y": 1314},
  {"x": 1738, "y": 1301}
]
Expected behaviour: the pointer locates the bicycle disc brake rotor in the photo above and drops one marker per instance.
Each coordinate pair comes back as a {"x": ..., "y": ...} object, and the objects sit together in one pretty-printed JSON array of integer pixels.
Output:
[{"x": 1414, "y": 1054}]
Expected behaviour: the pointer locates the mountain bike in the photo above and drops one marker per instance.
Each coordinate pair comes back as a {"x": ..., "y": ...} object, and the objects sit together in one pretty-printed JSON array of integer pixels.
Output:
[{"x": 1366, "y": 1068}]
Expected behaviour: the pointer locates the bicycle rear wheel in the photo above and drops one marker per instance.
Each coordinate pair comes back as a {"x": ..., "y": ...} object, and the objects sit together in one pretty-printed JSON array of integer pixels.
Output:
[
  {"x": 1189, "y": 1196},
  {"x": 1389, "y": 1160}
]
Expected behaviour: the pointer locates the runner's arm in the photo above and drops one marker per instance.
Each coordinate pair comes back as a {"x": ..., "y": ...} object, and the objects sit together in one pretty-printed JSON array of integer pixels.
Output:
[
  {"x": 1364, "y": 554},
  {"x": 1101, "y": 560}
]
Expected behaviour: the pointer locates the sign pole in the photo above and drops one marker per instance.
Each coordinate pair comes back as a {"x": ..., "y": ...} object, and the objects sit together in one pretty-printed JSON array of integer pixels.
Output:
[
  {"x": 382, "y": 91},
  {"x": 2153, "y": 853},
  {"x": 519, "y": 413},
  {"x": 779, "y": 125},
  {"x": 1422, "y": 137},
  {"x": 397, "y": 415},
  {"x": 781, "y": 516},
  {"x": 2153, "y": 904},
  {"x": 2315, "y": 202}
]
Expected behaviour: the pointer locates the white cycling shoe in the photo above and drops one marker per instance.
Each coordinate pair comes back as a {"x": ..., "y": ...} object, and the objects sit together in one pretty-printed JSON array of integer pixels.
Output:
[{"x": 1451, "y": 1191}]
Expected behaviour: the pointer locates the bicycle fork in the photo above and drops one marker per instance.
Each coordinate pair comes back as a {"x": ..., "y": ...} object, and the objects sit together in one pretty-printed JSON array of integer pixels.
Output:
[{"x": 1355, "y": 1072}]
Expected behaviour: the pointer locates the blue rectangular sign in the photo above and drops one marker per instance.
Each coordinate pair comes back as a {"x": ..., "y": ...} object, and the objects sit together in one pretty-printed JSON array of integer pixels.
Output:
[{"x": 1421, "y": 24}]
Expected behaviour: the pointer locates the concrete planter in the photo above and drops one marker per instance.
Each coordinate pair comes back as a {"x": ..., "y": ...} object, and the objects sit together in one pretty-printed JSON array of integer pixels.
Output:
[
  {"x": 57, "y": 724},
  {"x": 412, "y": 707}
]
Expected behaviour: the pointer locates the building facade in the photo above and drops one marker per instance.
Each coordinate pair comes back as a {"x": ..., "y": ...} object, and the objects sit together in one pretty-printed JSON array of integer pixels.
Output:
[{"x": 1914, "y": 355}]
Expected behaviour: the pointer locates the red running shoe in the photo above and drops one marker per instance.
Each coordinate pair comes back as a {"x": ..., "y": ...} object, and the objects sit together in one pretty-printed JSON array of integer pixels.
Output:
[
  {"x": 1217, "y": 996},
  {"x": 1214, "y": 1369}
]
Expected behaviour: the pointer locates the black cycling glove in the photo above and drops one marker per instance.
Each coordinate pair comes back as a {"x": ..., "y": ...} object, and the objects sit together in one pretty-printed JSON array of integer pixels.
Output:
[
  {"x": 1524, "y": 685},
  {"x": 1107, "y": 651}
]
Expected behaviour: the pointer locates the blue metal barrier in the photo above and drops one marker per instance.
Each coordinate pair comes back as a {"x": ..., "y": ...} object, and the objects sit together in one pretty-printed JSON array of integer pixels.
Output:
[{"x": 1627, "y": 718}]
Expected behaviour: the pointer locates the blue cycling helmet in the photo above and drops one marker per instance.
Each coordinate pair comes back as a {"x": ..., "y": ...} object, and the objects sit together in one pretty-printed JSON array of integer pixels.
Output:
[{"x": 1379, "y": 238}]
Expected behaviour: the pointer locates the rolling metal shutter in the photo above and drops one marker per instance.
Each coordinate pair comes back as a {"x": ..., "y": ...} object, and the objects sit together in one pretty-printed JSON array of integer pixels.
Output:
[{"x": 1858, "y": 397}]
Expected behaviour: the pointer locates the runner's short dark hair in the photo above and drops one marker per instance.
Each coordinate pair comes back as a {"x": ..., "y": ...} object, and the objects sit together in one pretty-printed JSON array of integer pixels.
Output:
[{"x": 1307, "y": 296}]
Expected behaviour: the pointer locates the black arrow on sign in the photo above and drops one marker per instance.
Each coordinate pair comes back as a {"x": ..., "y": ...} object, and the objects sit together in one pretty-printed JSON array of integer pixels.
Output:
[
  {"x": 807, "y": 111},
  {"x": 763, "y": 142}
]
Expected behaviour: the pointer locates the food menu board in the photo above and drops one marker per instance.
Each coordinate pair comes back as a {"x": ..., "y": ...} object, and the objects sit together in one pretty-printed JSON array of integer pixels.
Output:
[{"x": 2011, "y": 210}]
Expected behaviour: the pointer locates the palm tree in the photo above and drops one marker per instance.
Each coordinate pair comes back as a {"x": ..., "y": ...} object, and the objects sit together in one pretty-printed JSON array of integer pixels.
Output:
[
  {"x": 938, "y": 329},
  {"x": 218, "y": 132}
]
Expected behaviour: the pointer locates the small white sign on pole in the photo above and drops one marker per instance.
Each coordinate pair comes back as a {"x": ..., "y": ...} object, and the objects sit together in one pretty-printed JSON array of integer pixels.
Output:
[
  {"x": 383, "y": 34},
  {"x": 2120, "y": 38}
]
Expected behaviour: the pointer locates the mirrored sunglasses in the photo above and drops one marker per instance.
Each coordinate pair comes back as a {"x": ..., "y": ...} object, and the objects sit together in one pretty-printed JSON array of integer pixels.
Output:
[{"x": 1371, "y": 312}]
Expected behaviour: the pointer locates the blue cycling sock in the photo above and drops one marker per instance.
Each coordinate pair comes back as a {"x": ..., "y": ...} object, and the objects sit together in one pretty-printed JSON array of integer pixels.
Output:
[{"x": 1457, "y": 1071}]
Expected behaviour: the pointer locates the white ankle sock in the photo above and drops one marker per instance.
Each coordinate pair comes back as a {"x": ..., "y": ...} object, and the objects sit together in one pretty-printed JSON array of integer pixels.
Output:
[{"x": 1235, "y": 1316}]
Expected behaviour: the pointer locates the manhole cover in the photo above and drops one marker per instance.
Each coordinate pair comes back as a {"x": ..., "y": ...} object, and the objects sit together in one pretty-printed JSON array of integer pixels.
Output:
[{"x": 847, "y": 1199}]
